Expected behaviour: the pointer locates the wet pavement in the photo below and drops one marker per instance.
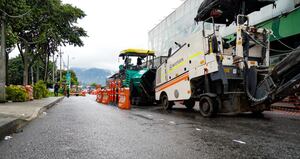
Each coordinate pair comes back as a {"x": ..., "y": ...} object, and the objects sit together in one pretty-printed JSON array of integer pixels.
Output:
[{"x": 78, "y": 127}]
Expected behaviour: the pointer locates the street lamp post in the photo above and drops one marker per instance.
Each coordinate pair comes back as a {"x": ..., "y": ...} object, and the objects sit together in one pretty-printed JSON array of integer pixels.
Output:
[
  {"x": 69, "y": 73},
  {"x": 68, "y": 76},
  {"x": 60, "y": 66},
  {"x": 53, "y": 70}
]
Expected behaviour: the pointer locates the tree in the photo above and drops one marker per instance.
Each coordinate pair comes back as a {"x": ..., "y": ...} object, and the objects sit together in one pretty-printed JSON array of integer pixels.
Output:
[
  {"x": 15, "y": 71},
  {"x": 48, "y": 25},
  {"x": 74, "y": 79},
  {"x": 94, "y": 85},
  {"x": 10, "y": 7}
]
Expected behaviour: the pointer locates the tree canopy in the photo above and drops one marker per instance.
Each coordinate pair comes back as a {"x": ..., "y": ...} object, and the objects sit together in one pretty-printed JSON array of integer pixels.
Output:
[{"x": 39, "y": 27}]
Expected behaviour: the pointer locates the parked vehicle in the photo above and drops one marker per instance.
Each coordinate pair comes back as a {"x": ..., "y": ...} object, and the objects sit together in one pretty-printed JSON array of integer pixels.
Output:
[{"x": 226, "y": 76}]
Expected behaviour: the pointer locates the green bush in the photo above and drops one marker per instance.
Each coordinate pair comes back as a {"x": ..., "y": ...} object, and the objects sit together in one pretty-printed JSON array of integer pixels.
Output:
[
  {"x": 61, "y": 91},
  {"x": 40, "y": 90},
  {"x": 51, "y": 94},
  {"x": 16, "y": 93}
]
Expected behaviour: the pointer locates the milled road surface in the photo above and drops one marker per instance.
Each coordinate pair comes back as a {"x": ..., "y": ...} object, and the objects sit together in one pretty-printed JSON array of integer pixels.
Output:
[{"x": 79, "y": 128}]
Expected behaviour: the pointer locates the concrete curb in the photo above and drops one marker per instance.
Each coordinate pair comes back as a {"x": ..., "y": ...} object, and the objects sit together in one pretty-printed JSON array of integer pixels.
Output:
[
  {"x": 10, "y": 127},
  {"x": 39, "y": 111},
  {"x": 19, "y": 123}
]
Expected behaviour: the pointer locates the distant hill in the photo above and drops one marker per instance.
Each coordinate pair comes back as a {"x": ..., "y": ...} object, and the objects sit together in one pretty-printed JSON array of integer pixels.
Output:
[{"x": 92, "y": 75}]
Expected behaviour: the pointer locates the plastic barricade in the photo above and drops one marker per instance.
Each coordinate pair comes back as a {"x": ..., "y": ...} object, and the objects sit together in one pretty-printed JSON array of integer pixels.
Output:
[
  {"x": 99, "y": 96},
  {"x": 83, "y": 93},
  {"x": 29, "y": 91},
  {"x": 124, "y": 98},
  {"x": 110, "y": 95},
  {"x": 105, "y": 98},
  {"x": 113, "y": 96}
]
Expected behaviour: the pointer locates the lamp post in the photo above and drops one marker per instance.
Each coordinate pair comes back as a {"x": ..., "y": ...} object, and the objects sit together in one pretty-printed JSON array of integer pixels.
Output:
[
  {"x": 60, "y": 65},
  {"x": 68, "y": 76}
]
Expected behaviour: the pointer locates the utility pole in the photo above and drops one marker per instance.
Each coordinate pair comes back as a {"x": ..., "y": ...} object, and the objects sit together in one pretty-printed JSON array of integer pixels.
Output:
[
  {"x": 56, "y": 71},
  {"x": 53, "y": 70},
  {"x": 68, "y": 72},
  {"x": 2, "y": 62},
  {"x": 60, "y": 67},
  {"x": 68, "y": 63}
]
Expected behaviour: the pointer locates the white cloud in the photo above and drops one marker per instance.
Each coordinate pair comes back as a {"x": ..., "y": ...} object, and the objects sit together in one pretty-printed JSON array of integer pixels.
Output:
[{"x": 114, "y": 25}]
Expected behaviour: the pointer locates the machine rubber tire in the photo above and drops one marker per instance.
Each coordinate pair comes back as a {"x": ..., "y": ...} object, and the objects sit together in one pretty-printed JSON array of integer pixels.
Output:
[
  {"x": 132, "y": 93},
  {"x": 138, "y": 102},
  {"x": 189, "y": 104},
  {"x": 258, "y": 112},
  {"x": 207, "y": 106},
  {"x": 133, "y": 101},
  {"x": 165, "y": 103}
]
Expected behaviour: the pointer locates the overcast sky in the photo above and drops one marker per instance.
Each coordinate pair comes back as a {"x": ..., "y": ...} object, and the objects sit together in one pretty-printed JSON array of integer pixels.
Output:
[{"x": 114, "y": 25}]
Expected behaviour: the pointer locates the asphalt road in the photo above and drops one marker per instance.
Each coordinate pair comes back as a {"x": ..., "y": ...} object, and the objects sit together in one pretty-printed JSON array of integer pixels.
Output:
[{"x": 78, "y": 127}]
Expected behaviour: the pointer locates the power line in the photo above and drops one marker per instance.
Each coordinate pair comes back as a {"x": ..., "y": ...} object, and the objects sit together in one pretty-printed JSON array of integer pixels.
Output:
[
  {"x": 21, "y": 15},
  {"x": 15, "y": 16}
]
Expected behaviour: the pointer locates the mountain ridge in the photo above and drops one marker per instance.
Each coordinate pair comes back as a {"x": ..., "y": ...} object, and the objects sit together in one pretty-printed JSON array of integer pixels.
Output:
[{"x": 92, "y": 75}]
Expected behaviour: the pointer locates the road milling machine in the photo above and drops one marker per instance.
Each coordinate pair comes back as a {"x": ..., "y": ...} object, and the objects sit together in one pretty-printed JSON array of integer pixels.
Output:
[{"x": 226, "y": 76}]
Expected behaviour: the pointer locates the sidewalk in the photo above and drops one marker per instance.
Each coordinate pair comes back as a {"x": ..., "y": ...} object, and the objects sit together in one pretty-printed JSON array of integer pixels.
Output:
[{"x": 14, "y": 116}]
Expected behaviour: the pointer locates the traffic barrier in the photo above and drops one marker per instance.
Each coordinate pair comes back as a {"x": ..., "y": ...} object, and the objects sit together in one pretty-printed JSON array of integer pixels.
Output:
[
  {"x": 99, "y": 96},
  {"x": 83, "y": 93},
  {"x": 29, "y": 91},
  {"x": 124, "y": 98},
  {"x": 112, "y": 94},
  {"x": 117, "y": 91},
  {"x": 109, "y": 93},
  {"x": 105, "y": 97}
]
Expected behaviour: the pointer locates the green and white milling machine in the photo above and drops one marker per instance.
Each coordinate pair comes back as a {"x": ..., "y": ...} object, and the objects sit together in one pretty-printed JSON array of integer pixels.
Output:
[{"x": 139, "y": 77}]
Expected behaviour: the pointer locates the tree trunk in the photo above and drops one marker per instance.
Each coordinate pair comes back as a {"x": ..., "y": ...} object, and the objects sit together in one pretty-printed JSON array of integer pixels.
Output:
[
  {"x": 26, "y": 66},
  {"x": 37, "y": 72},
  {"x": 32, "y": 75},
  {"x": 25, "y": 72},
  {"x": 25, "y": 60},
  {"x": 46, "y": 68}
]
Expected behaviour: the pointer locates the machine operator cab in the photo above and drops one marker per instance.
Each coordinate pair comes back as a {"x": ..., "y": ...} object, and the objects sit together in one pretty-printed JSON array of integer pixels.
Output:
[
  {"x": 136, "y": 59},
  {"x": 135, "y": 63}
]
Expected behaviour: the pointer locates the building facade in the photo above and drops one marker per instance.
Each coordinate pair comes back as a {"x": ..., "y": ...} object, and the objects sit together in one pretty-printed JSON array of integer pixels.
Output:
[{"x": 283, "y": 18}]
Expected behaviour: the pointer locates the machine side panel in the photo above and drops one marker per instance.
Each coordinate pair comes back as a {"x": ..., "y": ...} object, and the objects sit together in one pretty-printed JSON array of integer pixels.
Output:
[{"x": 177, "y": 89}]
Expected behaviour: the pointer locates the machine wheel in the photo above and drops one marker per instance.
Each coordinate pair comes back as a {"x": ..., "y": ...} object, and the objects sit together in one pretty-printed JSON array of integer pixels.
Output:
[
  {"x": 132, "y": 101},
  {"x": 166, "y": 104},
  {"x": 189, "y": 104},
  {"x": 132, "y": 93},
  {"x": 257, "y": 112},
  {"x": 138, "y": 102},
  {"x": 207, "y": 106}
]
